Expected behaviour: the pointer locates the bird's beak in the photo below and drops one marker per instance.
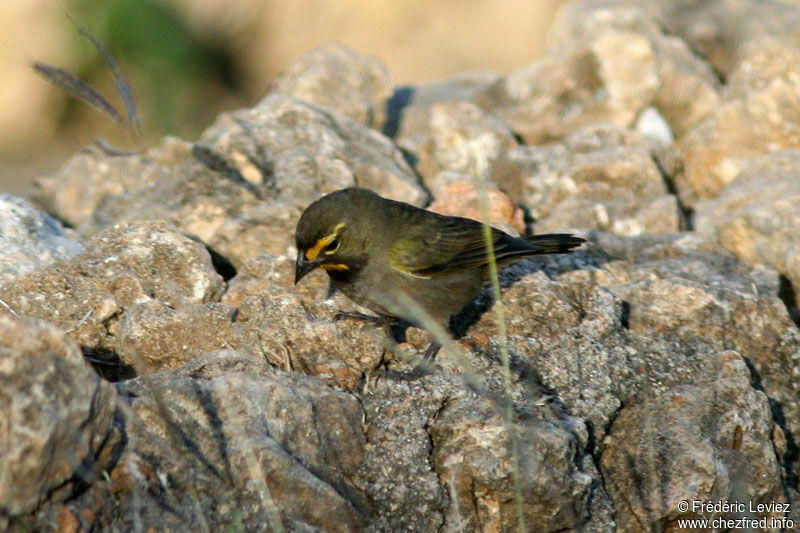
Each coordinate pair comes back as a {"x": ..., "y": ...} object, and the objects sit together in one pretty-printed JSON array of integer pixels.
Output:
[{"x": 303, "y": 266}]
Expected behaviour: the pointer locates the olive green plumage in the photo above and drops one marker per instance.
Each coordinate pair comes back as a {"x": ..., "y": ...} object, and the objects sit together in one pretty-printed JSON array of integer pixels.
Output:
[{"x": 376, "y": 250}]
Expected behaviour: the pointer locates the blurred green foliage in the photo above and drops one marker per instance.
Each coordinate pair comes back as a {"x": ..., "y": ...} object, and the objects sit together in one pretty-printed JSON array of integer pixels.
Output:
[{"x": 180, "y": 79}]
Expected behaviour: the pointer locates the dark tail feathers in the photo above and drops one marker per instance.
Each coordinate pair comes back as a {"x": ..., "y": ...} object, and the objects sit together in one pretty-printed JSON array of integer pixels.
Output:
[{"x": 555, "y": 243}]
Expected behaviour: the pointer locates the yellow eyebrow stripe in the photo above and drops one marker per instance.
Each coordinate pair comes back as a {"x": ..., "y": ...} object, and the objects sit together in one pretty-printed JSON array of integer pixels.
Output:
[
  {"x": 314, "y": 251},
  {"x": 320, "y": 245}
]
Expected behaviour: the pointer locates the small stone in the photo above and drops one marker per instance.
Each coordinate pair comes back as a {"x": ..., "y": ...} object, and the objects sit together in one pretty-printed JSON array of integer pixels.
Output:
[{"x": 462, "y": 197}]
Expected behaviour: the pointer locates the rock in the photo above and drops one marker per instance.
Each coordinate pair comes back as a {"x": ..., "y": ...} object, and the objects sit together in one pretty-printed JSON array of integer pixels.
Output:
[
  {"x": 611, "y": 335},
  {"x": 752, "y": 46},
  {"x": 129, "y": 264},
  {"x": 30, "y": 239},
  {"x": 651, "y": 125},
  {"x": 734, "y": 460},
  {"x": 336, "y": 77},
  {"x": 223, "y": 192},
  {"x": 228, "y": 440},
  {"x": 650, "y": 324},
  {"x": 268, "y": 161},
  {"x": 302, "y": 150},
  {"x": 398, "y": 474},
  {"x": 472, "y": 452},
  {"x": 452, "y": 458},
  {"x": 688, "y": 291},
  {"x": 723, "y": 33},
  {"x": 756, "y": 215},
  {"x": 297, "y": 330},
  {"x": 601, "y": 177},
  {"x": 153, "y": 336},
  {"x": 56, "y": 418},
  {"x": 265, "y": 228},
  {"x": 647, "y": 367},
  {"x": 760, "y": 114},
  {"x": 79, "y": 188},
  {"x": 460, "y": 137},
  {"x": 605, "y": 63},
  {"x": 461, "y": 196},
  {"x": 410, "y": 106}
]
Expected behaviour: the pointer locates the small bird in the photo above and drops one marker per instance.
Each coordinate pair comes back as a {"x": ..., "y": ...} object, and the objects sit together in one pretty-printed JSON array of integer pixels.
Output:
[{"x": 381, "y": 252}]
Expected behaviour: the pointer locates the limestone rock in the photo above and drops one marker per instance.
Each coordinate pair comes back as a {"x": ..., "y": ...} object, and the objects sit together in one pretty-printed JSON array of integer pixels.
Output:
[
  {"x": 756, "y": 216},
  {"x": 153, "y": 336},
  {"x": 129, "y": 264},
  {"x": 297, "y": 330},
  {"x": 228, "y": 441},
  {"x": 340, "y": 79},
  {"x": 56, "y": 418},
  {"x": 410, "y": 106},
  {"x": 601, "y": 177},
  {"x": 460, "y": 137},
  {"x": 723, "y": 33},
  {"x": 271, "y": 160},
  {"x": 760, "y": 114},
  {"x": 664, "y": 434},
  {"x": 88, "y": 178},
  {"x": 472, "y": 452},
  {"x": 460, "y": 196},
  {"x": 30, "y": 239},
  {"x": 606, "y": 62}
]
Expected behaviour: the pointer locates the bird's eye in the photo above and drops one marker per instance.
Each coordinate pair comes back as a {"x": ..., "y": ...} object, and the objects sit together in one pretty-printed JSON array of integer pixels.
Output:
[{"x": 332, "y": 246}]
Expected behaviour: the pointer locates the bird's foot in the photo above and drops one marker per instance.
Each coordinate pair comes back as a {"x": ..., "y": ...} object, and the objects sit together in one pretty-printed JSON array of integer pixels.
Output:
[
  {"x": 423, "y": 368},
  {"x": 415, "y": 373}
]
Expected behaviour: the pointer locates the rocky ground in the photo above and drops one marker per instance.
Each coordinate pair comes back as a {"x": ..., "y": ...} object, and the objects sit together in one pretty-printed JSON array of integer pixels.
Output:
[{"x": 159, "y": 370}]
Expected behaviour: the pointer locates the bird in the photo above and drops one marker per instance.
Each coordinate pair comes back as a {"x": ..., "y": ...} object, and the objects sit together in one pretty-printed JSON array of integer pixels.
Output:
[{"x": 381, "y": 253}]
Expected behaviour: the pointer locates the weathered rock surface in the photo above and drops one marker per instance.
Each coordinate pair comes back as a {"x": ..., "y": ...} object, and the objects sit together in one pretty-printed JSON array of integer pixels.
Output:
[
  {"x": 30, "y": 239},
  {"x": 297, "y": 329},
  {"x": 228, "y": 441},
  {"x": 128, "y": 265},
  {"x": 56, "y": 418},
  {"x": 339, "y": 79},
  {"x": 657, "y": 453},
  {"x": 749, "y": 52},
  {"x": 460, "y": 137},
  {"x": 600, "y": 177},
  {"x": 245, "y": 182},
  {"x": 78, "y": 189},
  {"x": 655, "y": 364},
  {"x": 760, "y": 114},
  {"x": 154, "y": 336},
  {"x": 410, "y": 107},
  {"x": 607, "y": 62},
  {"x": 723, "y": 32},
  {"x": 462, "y": 196},
  {"x": 757, "y": 215},
  {"x": 472, "y": 452}
]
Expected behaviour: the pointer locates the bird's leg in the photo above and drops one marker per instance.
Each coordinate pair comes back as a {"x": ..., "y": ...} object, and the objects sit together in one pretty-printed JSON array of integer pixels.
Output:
[
  {"x": 424, "y": 366},
  {"x": 380, "y": 320},
  {"x": 383, "y": 321},
  {"x": 431, "y": 352}
]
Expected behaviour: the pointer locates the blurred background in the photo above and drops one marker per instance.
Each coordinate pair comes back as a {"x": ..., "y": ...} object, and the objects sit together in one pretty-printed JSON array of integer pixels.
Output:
[{"x": 189, "y": 60}]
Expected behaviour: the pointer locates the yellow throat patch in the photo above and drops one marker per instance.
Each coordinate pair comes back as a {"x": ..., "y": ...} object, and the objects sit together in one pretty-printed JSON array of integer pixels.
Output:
[{"x": 334, "y": 266}]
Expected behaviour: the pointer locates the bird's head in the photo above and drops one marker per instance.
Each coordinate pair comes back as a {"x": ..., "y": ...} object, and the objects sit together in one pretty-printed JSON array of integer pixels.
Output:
[{"x": 333, "y": 234}]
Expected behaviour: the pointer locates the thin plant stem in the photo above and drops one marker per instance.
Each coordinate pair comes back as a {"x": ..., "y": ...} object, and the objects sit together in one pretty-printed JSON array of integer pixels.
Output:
[{"x": 483, "y": 204}]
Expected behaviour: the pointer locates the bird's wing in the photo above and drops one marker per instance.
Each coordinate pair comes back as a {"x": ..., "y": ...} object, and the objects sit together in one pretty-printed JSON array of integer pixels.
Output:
[{"x": 454, "y": 244}]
